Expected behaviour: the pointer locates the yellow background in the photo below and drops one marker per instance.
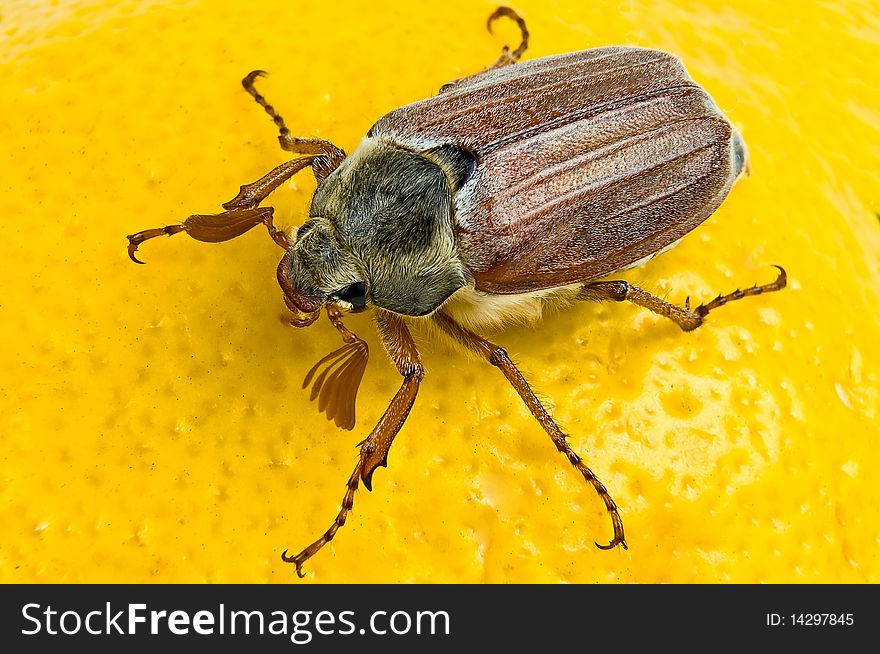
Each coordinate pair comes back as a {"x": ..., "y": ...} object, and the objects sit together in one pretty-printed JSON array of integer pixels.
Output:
[{"x": 152, "y": 426}]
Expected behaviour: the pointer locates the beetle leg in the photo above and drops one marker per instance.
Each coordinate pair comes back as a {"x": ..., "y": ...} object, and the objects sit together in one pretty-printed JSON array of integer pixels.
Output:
[
  {"x": 684, "y": 317},
  {"x": 250, "y": 195},
  {"x": 214, "y": 228},
  {"x": 328, "y": 155},
  {"x": 374, "y": 449},
  {"x": 499, "y": 358},
  {"x": 241, "y": 213},
  {"x": 507, "y": 57}
]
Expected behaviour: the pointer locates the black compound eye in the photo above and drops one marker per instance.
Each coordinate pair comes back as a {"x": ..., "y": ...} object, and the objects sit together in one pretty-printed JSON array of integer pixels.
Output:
[{"x": 355, "y": 294}]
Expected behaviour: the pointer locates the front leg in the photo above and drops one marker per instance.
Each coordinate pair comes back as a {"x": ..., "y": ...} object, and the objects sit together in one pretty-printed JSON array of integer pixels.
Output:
[
  {"x": 374, "y": 449},
  {"x": 241, "y": 215}
]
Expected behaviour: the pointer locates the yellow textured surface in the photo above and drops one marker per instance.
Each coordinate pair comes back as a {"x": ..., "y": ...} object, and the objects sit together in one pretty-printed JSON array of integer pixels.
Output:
[{"x": 152, "y": 426}]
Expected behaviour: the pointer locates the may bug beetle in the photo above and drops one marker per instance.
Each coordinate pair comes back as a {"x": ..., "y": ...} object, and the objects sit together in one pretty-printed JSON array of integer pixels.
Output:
[{"x": 525, "y": 182}]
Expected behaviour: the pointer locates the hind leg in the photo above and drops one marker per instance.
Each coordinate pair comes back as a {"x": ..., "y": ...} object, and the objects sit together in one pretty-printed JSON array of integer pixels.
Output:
[
  {"x": 684, "y": 317},
  {"x": 241, "y": 215},
  {"x": 507, "y": 56}
]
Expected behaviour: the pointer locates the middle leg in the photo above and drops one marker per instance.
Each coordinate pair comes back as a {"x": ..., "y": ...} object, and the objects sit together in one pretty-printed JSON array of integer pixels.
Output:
[
  {"x": 327, "y": 156},
  {"x": 498, "y": 357}
]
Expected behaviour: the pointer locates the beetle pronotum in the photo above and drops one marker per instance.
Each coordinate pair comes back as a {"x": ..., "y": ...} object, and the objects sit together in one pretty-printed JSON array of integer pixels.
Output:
[{"x": 524, "y": 182}]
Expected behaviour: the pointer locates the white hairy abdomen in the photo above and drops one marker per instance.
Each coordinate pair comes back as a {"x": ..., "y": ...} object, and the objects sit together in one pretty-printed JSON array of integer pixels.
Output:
[{"x": 476, "y": 310}]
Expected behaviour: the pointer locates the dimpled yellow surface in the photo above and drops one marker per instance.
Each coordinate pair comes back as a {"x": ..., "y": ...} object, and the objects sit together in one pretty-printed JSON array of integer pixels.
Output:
[{"x": 152, "y": 422}]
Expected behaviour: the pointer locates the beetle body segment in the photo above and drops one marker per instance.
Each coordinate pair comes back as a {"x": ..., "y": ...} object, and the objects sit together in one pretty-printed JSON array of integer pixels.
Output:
[
  {"x": 517, "y": 180},
  {"x": 383, "y": 218},
  {"x": 585, "y": 163}
]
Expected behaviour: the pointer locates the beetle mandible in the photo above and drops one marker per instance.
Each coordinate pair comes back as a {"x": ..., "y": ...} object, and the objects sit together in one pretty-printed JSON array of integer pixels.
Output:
[{"x": 525, "y": 182}]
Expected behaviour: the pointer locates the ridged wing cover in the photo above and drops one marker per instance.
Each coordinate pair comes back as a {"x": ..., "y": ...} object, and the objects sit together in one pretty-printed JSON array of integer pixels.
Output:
[{"x": 585, "y": 163}]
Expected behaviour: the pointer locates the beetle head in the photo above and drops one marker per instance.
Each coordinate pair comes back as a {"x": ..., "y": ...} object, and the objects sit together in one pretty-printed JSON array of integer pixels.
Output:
[
  {"x": 380, "y": 234},
  {"x": 319, "y": 269}
]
